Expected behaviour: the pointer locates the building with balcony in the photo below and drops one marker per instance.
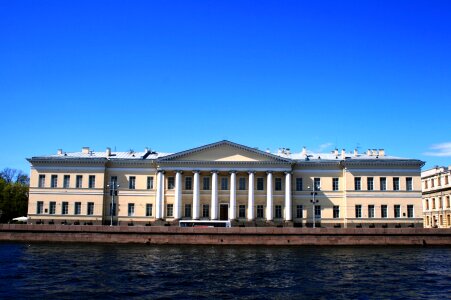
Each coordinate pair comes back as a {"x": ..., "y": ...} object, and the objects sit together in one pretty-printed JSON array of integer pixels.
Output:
[
  {"x": 436, "y": 197},
  {"x": 226, "y": 181}
]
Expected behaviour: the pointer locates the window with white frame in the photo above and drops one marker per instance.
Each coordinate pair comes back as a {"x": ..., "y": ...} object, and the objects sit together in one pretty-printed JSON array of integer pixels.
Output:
[
  {"x": 260, "y": 184},
  {"x": 260, "y": 211},
  {"x": 384, "y": 212},
  {"x": 397, "y": 211},
  {"x": 132, "y": 182},
  {"x": 278, "y": 212},
  {"x": 370, "y": 183},
  {"x": 278, "y": 184},
  {"x": 131, "y": 209},
  {"x": 79, "y": 181},
  {"x": 187, "y": 210},
  {"x": 336, "y": 211},
  {"x": 299, "y": 211},
  {"x": 383, "y": 184},
  {"x": 52, "y": 208},
  {"x": 357, "y": 183},
  {"x": 149, "y": 209},
  {"x": 39, "y": 207},
  {"x": 242, "y": 183},
  {"x": 318, "y": 211},
  {"x": 90, "y": 210},
  {"x": 188, "y": 183},
  {"x": 41, "y": 182},
  {"x": 171, "y": 183},
  {"x": 205, "y": 211},
  {"x": 54, "y": 181},
  {"x": 396, "y": 183},
  {"x": 409, "y": 185},
  {"x": 65, "y": 208},
  {"x": 92, "y": 181},
  {"x": 298, "y": 184},
  {"x": 317, "y": 183},
  {"x": 242, "y": 211},
  {"x": 77, "y": 208},
  {"x": 410, "y": 211},
  {"x": 170, "y": 210},
  {"x": 66, "y": 181},
  {"x": 335, "y": 184},
  {"x": 150, "y": 182},
  {"x": 206, "y": 183},
  {"x": 370, "y": 211},
  {"x": 358, "y": 211},
  {"x": 224, "y": 183}
]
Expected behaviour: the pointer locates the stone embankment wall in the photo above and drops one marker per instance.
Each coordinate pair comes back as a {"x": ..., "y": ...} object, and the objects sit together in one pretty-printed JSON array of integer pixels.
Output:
[{"x": 225, "y": 236}]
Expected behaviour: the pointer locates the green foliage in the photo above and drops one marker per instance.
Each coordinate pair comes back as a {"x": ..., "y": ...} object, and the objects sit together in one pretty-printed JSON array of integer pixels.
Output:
[{"x": 13, "y": 194}]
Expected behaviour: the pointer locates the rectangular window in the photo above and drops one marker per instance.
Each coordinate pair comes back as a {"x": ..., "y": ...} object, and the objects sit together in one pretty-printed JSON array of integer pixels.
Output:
[
  {"x": 298, "y": 184},
  {"x": 278, "y": 212},
  {"x": 170, "y": 210},
  {"x": 439, "y": 181},
  {"x": 433, "y": 203},
  {"x": 242, "y": 211},
  {"x": 336, "y": 212},
  {"x": 54, "y": 181},
  {"x": 131, "y": 209},
  {"x": 77, "y": 208},
  {"x": 149, "y": 209},
  {"x": 52, "y": 208},
  {"x": 278, "y": 184},
  {"x": 432, "y": 183},
  {"x": 425, "y": 184},
  {"x": 357, "y": 183},
  {"x": 113, "y": 180},
  {"x": 409, "y": 211},
  {"x": 92, "y": 181},
  {"x": 383, "y": 182},
  {"x": 397, "y": 211},
  {"x": 90, "y": 211},
  {"x": 384, "y": 211},
  {"x": 370, "y": 183},
  {"x": 335, "y": 184},
  {"x": 66, "y": 181},
  {"x": 318, "y": 211},
  {"x": 260, "y": 185},
  {"x": 446, "y": 179},
  {"x": 171, "y": 183},
  {"x": 299, "y": 211},
  {"x": 358, "y": 211},
  {"x": 409, "y": 186},
  {"x": 150, "y": 182},
  {"x": 39, "y": 207},
  {"x": 242, "y": 184},
  {"x": 187, "y": 210},
  {"x": 205, "y": 211},
  {"x": 65, "y": 208},
  {"x": 206, "y": 183},
  {"x": 396, "y": 183},
  {"x": 440, "y": 202},
  {"x": 224, "y": 183},
  {"x": 317, "y": 183},
  {"x": 260, "y": 211},
  {"x": 370, "y": 211},
  {"x": 132, "y": 182},
  {"x": 79, "y": 181},
  {"x": 188, "y": 183},
  {"x": 41, "y": 182},
  {"x": 447, "y": 202}
]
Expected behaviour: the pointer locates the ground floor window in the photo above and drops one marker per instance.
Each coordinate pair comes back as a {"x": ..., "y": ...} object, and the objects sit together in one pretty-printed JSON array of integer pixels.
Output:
[
  {"x": 206, "y": 211},
  {"x": 318, "y": 211},
  {"x": 39, "y": 207},
  {"x": 358, "y": 211},
  {"x": 260, "y": 211},
  {"x": 384, "y": 211},
  {"x": 397, "y": 211},
  {"x": 65, "y": 208},
  {"x": 242, "y": 211},
  {"x": 370, "y": 211},
  {"x": 149, "y": 209},
  {"x": 77, "y": 208},
  {"x": 90, "y": 208},
  {"x": 299, "y": 211},
  {"x": 52, "y": 208},
  {"x": 131, "y": 209},
  {"x": 187, "y": 210},
  {"x": 336, "y": 213},
  {"x": 278, "y": 212},
  {"x": 409, "y": 211},
  {"x": 170, "y": 210}
]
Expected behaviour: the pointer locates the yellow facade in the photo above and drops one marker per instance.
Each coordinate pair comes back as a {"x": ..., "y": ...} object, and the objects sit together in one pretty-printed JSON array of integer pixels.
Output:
[
  {"x": 437, "y": 197},
  {"x": 351, "y": 190}
]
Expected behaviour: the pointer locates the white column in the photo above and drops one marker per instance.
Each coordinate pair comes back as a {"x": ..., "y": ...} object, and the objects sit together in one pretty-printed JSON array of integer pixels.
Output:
[
  {"x": 178, "y": 195},
  {"x": 162, "y": 214},
  {"x": 232, "y": 208},
  {"x": 214, "y": 195},
  {"x": 288, "y": 206},
  {"x": 269, "y": 202},
  {"x": 158, "y": 196},
  {"x": 196, "y": 196},
  {"x": 250, "y": 205}
]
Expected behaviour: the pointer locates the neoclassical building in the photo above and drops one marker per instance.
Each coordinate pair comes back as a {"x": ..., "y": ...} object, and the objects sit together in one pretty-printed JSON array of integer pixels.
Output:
[
  {"x": 226, "y": 181},
  {"x": 436, "y": 197}
]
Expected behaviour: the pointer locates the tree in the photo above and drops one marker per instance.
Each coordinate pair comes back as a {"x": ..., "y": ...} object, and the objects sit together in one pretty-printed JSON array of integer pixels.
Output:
[{"x": 13, "y": 194}]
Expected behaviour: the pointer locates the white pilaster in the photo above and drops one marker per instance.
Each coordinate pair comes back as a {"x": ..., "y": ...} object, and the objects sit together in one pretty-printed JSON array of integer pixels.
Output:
[
  {"x": 178, "y": 195},
  {"x": 196, "y": 196},
  {"x": 269, "y": 197},
  {"x": 288, "y": 206},
  {"x": 232, "y": 208},
  {"x": 214, "y": 195},
  {"x": 159, "y": 198},
  {"x": 250, "y": 205}
]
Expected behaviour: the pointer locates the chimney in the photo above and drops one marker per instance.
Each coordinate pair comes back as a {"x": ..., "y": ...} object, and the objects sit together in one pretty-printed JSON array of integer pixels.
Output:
[
  {"x": 267, "y": 150},
  {"x": 374, "y": 152},
  {"x": 85, "y": 150},
  {"x": 146, "y": 150},
  {"x": 368, "y": 152},
  {"x": 381, "y": 152},
  {"x": 108, "y": 151},
  {"x": 304, "y": 151},
  {"x": 343, "y": 154},
  {"x": 60, "y": 152},
  {"x": 356, "y": 152}
]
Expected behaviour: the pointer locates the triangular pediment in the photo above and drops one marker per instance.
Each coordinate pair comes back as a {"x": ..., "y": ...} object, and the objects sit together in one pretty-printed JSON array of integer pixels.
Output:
[{"x": 224, "y": 151}]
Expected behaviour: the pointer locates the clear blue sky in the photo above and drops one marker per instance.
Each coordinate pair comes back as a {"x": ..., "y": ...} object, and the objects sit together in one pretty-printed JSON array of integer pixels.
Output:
[{"x": 172, "y": 75}]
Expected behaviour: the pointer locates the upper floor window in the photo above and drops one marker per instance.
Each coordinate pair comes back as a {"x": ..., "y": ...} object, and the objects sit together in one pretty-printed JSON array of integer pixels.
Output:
[
  {"x": 278, "y": 184},
  {"x": 335, "y": 184},
  {"x": 383, "y": 183},
  {"x": 409, "y": 186},
  {"x": 79, "y": 181},
  {"x": 171, "y": 183},
  {"x": 357, "y": 183},
  {"x": 446, "y": 179},
  {"x": 317, "y": 183},
  {"x": 242, "y": 183},
  {"x": 370, "y": 183},
  {"x": 113, "y": 180},
  {"x": 41, "y": 182},
  {"x": 66, "y": 181},
  {"x": 425, "y": 184},
  {"x": 92, "y": 181},
  {"x": 396, "y": 183},
  {"x": 298, "y": 184},
  {"x": 432, "y": 183},
  {"x": 439, "y": 181},
  {"x": 132, "y": 182},
  {"x": 224, "y": 183},
  {"x": 150, "y": 182},
  {"x": 260, "y": 185},
  {"x": 206, "y": 183},
  {"x": 188, "y": 183},
  {"x": 54, "y": 181}
]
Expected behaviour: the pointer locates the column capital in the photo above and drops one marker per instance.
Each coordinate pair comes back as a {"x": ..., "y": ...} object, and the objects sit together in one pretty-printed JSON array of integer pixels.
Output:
[
  {"x": 179, "y": 171},
  {"x": 161, "y": 171},
  {"x": 196, "y": 171},
  {"x": 288, "y": 172},
  {"x": 269, "y": 172},
  {"x": 251, "y": 172},
  {"x": 232, "y": 172},
  {"x": 214, "y": 171}
]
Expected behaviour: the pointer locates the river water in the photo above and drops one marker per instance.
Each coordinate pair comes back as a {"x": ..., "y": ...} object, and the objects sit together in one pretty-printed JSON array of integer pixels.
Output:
[{"x": 110, "y": 271}]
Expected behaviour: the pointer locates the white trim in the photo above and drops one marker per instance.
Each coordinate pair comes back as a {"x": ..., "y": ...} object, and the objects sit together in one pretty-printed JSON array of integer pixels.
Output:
[
  {"x": 66, "y": 193},
  {"x": 338, "y": 171},
  {"x": 132, "y": 170},
  {"x": 69, "y": 168},
  {"x": 228, "y": 169}
]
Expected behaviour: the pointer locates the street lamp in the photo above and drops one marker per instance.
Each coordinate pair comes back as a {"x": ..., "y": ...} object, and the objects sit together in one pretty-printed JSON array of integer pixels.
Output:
[
  {"x": 313, "y": 201},
  {"x": 113, "y": 192}
]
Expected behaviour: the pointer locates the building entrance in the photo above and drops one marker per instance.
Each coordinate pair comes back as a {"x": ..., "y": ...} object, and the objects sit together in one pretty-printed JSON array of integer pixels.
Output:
[{"x": 223, "y": 212}]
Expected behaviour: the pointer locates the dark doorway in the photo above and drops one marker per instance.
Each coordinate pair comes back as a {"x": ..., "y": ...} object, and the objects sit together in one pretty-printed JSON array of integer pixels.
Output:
[{"x": 224, "y": 212}]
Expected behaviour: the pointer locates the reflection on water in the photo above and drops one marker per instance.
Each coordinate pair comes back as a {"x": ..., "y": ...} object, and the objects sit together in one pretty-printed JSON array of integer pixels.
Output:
[{"x": 138, "y": 271}]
